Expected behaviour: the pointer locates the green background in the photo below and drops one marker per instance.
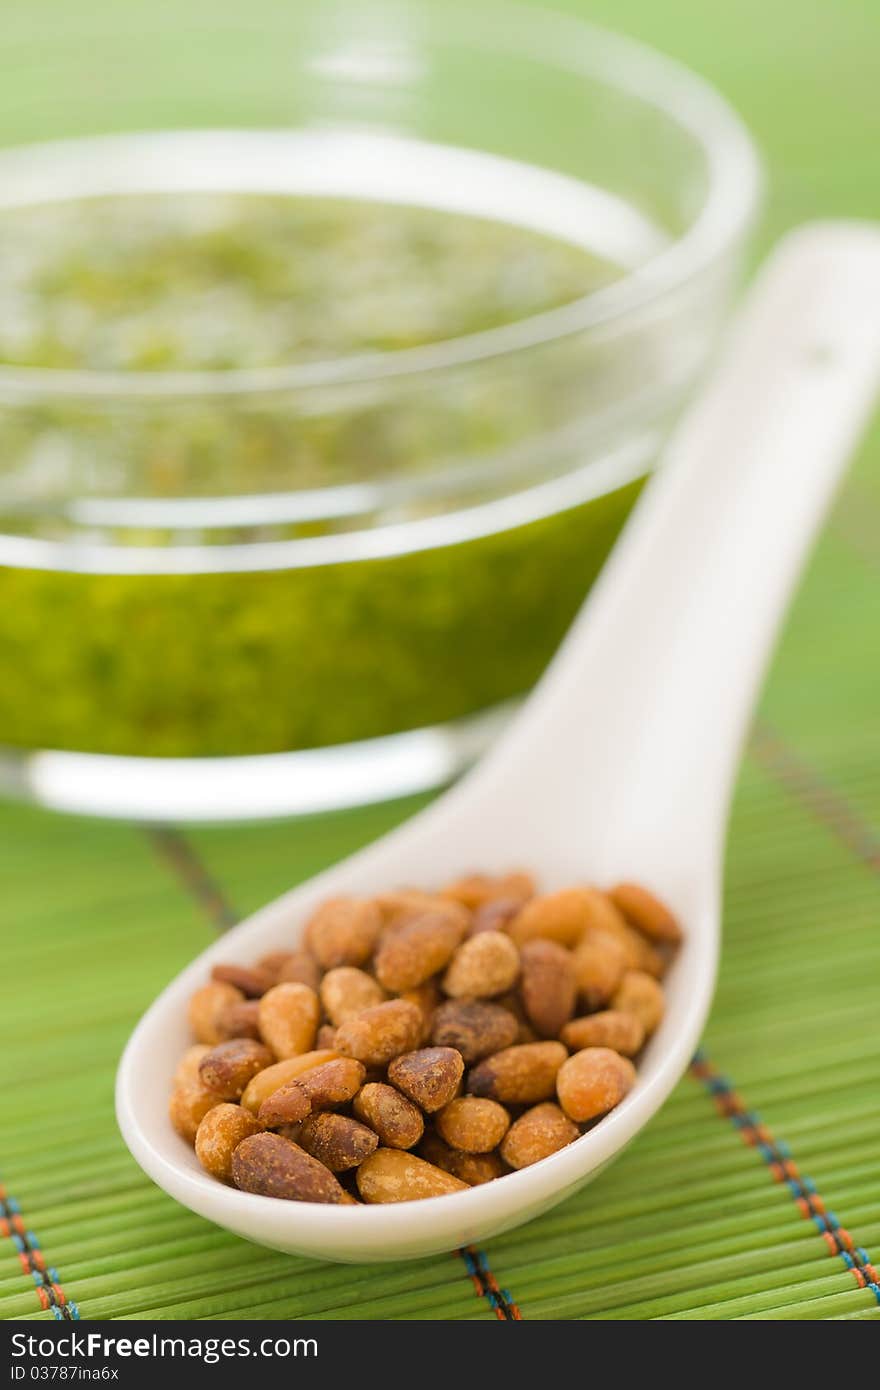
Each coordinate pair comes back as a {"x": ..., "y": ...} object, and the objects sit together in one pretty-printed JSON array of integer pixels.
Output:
[{"x": 692, "y": 1222}]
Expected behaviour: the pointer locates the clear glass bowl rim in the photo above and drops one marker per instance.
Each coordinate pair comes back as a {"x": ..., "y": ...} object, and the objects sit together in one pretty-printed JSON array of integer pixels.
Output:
[{"x": 687, "y": 100}]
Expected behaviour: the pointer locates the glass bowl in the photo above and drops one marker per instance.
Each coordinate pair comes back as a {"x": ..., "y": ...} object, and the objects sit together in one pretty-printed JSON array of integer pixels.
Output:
[{"x": 289, "y": 588}]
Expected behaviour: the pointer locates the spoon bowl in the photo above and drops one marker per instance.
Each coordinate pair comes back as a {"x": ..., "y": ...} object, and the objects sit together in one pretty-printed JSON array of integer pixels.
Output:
[
  {"x": 412, "y": 1228},
  {"x": 621, "y": 763}
]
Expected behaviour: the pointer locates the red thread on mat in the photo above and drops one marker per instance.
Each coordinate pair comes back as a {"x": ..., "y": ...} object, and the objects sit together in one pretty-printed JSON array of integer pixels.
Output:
[
  {"x": 823, "y": 801},
  {"x": 775, "y": 1154},
  {"x": 177, "y": 851},
  {"x": 50, "y": 1295},
  {"x": 855, "y": 525},
  {"x": 486, "y": 1285},
  {"x": 835, "y": 812}
]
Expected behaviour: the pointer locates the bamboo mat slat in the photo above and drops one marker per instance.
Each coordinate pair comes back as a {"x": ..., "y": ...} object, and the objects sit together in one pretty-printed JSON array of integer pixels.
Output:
[{"x": 755, "y": 1193}]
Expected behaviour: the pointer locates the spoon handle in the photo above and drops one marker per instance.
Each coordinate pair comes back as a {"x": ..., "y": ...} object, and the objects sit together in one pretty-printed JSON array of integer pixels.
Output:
[{"x": 666, "y": 657}]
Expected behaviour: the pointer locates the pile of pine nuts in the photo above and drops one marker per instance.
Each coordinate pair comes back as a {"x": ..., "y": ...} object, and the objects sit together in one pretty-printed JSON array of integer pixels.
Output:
[{"x": 421, "y": 1043}]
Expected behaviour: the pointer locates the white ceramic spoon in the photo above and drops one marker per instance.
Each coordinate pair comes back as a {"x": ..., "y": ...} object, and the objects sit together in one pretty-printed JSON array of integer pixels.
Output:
[{"x": 622, "y": 762}]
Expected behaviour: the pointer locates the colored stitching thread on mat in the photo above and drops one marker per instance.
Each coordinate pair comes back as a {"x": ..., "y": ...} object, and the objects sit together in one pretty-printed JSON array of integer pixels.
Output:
[
  {"x": 851, "y": 525},
  {"x": 48, "y": 1284},
  {"x": 486, "y": 1285},
  {"x": 175, "y": 849},
  {"x": 776, "y": 1155},
  {"x": 823, "y": 801},
  {"x": 179, "y": 853}
]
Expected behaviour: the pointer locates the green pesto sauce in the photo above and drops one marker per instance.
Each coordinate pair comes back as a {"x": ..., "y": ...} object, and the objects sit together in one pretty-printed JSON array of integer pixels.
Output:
[
  {"x": 218, "y": 664},
  {"x": 250, "y": 663},
  {"x": 165, "y": 282}
]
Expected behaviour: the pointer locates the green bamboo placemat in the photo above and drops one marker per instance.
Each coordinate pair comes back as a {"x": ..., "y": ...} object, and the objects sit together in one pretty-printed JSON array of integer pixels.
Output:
[
  {"x": 712, "y": 1213},
  {"x": 754, "y": 1193}
]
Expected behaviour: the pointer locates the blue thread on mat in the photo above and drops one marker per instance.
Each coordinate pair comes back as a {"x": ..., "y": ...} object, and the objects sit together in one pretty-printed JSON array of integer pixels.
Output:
[{"x": 777, "y": 1155}]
